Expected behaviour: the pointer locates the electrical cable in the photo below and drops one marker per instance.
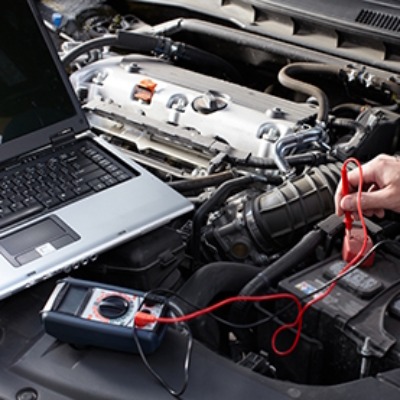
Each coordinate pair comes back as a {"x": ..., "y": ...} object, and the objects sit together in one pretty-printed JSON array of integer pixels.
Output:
[
  {"x": 298, "y": 323},
  {"x": 324, "y": 286},
  {"x": 277, "y": 313},
  {"x": 142, "y": 319},
  {"x": 241, "y": 326},
  {"x": 187, "y": 360},
  {"x": 352, "y": 268},
  {"x": 216, "y": 317}
]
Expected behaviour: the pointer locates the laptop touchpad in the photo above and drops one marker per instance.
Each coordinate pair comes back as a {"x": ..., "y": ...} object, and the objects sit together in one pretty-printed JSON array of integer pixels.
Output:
[{"x": 36, "y": 240}]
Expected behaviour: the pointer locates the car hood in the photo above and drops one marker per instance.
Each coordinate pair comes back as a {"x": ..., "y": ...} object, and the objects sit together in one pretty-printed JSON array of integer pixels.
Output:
[{"x": 364, "y": 31}]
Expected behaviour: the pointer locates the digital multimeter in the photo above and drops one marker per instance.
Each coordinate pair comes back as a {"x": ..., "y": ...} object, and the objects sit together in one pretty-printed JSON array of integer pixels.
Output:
[{"x": 87, "y": 313}]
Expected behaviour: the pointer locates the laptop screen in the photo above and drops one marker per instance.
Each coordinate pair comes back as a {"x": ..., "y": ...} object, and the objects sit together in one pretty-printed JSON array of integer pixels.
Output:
[{"x": 34, "y": 92}]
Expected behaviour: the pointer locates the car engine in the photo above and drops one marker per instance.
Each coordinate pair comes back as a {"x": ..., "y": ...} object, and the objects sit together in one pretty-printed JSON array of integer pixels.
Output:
[{"x": 254, "y": 131}]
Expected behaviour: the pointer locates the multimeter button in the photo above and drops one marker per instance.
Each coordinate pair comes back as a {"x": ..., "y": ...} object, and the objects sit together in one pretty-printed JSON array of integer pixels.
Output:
[{"x": 113, "y": 307}]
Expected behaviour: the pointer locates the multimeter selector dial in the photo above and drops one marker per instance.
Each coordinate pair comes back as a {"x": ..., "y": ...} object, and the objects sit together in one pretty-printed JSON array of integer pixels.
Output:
[{"x": 113, "y": 307}]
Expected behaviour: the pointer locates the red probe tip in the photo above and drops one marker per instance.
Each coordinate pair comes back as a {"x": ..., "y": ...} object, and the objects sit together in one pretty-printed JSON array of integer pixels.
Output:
[
  {"x": 348, "y": 220},
  {"x": 352, "y": 245},
  {"x": 143, "y": 318}
]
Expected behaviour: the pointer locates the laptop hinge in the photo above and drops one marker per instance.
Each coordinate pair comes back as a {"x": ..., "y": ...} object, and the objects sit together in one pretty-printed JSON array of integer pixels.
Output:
[{"x": 65, "y": 136}]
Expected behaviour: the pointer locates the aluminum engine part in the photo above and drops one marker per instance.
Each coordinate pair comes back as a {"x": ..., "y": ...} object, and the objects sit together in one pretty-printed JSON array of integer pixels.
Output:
[{"x": 124, "y": 96}]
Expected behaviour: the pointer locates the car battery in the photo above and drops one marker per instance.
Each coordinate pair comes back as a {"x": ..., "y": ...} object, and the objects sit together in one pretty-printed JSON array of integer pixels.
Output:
[{"x": 356, "y": 325}]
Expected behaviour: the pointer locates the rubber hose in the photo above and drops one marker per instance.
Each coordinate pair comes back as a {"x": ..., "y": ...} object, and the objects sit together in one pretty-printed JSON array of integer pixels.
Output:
[
  {"x": 207, "y": 284},
  {"x": 187, "y": 185},
  {"x": 348, "y": 123},
  {"x": 311, "y": 158},
  {"x": 141, "y": 43},
  {"x": 292, "y": 258},
  {"x": 349, "y": 107},
  {"x": 87, "y": 46},
  {"x": 254, "y": 162},
  {"x": 287, "y": 79},
  {"x": 268, "y": 277}
]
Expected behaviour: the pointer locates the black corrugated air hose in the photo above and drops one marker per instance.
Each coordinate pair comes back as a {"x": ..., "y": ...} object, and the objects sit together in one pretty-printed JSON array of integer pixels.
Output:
[
  {"x": 219, "y": 196},
  {"x": 281, "y": 216}
]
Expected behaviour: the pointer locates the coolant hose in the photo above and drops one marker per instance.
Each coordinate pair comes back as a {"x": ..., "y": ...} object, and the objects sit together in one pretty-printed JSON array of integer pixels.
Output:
[
  {"x": 353, "y": 108},
  {"x": 287, "y": 78}
]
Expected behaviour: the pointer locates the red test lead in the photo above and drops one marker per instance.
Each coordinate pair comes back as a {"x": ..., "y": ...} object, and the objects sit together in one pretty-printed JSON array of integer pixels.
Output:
[
  {"x": 356, "y": 244},
  {"x": 354, "y": 236}
]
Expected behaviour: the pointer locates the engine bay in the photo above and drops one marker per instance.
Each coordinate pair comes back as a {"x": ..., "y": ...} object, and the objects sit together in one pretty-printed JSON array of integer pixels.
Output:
[{"x": 254, "y": 129}]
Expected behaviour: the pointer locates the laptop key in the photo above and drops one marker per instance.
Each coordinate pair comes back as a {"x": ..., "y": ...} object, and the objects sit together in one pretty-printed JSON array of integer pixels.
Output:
[
  {"x": 20, "y": 214},
  {"x": 96, "y": 174},
  {"x": 17, "y": 206},
  {"x": 82, "y": 189},
  {"x": 108, "y": 180},
  {"x": 97, "y": 185},
  {"x": 66, "y": 195},
  {"x": 46, "y": 200}
]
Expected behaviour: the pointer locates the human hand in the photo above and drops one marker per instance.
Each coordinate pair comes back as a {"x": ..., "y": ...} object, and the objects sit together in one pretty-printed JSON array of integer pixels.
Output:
[{"x": 381, "y": 188}]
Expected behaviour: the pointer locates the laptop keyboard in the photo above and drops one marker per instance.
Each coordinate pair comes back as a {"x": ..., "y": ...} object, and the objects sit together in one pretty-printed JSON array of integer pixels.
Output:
[{"x": 43, "y": 183}]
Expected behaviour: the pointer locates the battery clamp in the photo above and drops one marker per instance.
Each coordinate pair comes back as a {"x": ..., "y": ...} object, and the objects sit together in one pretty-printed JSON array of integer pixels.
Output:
[{"x": 85, "y": 313}]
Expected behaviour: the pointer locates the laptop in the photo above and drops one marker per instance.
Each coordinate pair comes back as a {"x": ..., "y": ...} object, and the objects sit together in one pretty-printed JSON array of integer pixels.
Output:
[{"x": 66, "y": 195}]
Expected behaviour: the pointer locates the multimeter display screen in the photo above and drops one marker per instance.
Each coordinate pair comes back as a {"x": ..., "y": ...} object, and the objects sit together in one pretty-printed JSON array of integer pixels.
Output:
[{"x": 73, "y": 299}]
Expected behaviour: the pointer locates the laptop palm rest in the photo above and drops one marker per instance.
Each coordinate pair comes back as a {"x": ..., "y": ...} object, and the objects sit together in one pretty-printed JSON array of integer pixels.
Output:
[{"x": 36, "y": 240}]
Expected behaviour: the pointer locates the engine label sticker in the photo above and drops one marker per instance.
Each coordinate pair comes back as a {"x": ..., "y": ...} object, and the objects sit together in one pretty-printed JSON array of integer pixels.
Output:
[{"x": 306, "y": 287}]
